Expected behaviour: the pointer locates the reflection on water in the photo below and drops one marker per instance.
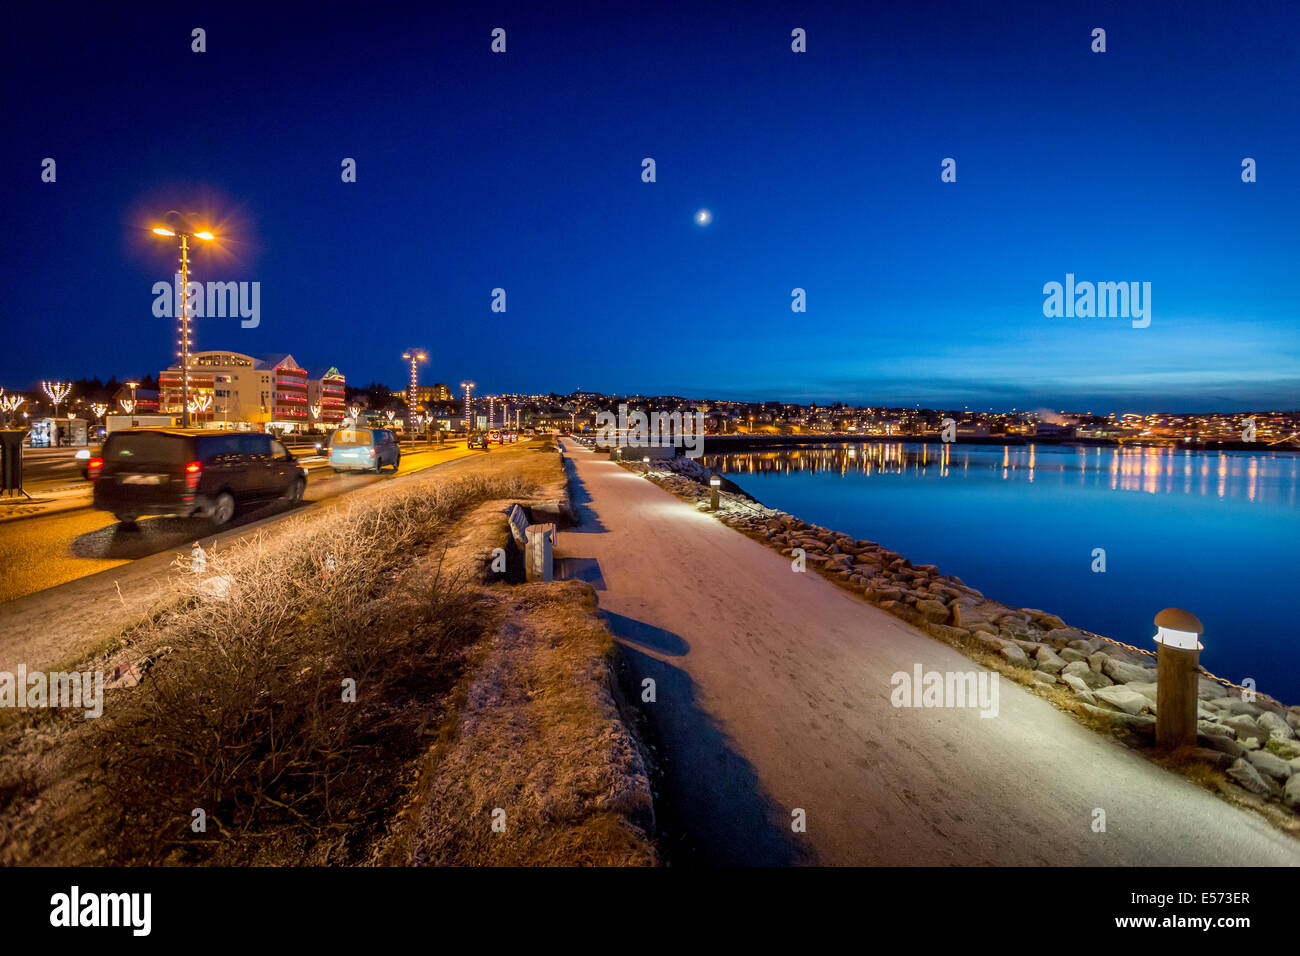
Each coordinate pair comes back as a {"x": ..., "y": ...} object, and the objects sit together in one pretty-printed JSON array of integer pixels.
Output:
[
  {"x": 1267, "y": 477},
  {"x": 1215, "y": 532}
]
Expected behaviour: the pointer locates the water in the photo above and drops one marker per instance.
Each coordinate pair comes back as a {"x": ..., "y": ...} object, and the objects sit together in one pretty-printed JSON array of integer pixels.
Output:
[{"x": 1217, "y": 533}]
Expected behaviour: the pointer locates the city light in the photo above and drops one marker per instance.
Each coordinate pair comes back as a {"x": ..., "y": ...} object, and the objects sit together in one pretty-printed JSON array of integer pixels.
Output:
[
  {"x": 185, "y": 308},
  {"x": 415, "y": 357}
]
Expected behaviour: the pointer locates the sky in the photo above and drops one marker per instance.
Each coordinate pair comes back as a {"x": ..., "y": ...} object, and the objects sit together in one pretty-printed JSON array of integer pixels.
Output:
[{"x": 522, "y": 171}]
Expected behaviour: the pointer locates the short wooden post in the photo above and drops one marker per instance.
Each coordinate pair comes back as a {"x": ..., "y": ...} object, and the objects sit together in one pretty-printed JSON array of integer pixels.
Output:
[
  {"x": 714, "y": 483},
  {"x": 540, "y": 558},
  {"x": 1178, "y": 653}
]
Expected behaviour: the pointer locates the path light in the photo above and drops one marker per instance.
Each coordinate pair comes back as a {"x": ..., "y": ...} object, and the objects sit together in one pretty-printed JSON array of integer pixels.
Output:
[
  {"x": 714, "y": 484},
  {"x": 646, "y": 461},
  {"x": 1178, "y": 652}
]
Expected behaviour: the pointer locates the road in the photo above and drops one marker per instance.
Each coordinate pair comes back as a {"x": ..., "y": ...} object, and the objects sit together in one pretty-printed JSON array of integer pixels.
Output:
[
  {"x": 74, "y": 574},
  {"x": 773, "y": 695}
]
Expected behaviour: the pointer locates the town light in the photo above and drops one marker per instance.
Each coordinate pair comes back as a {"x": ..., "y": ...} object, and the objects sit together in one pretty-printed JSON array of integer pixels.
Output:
[
  {"x": 58, "y": 393},
  {"x": 415, "y": 357},
  {"x": 467, "y": 386},
  {"x": 185, "y": 309},
  {"x": 714, "y": 484}
]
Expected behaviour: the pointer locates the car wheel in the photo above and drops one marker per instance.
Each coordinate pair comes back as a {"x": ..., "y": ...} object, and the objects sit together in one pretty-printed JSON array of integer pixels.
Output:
[
  {"x": 127, "y": 522},
  {"x": 296, "y": 489},
  {"x": 335, "y": 470},
  {"x": 396, "y": 461},
  {"x": 224, "y": 508}
]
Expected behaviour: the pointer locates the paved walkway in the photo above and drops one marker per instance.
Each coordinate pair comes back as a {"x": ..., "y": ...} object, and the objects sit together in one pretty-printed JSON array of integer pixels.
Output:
[{"x": 773, "y": 693}]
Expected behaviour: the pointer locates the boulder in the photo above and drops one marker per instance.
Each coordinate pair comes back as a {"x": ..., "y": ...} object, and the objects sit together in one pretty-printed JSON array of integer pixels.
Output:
[
  {"x": 1217, "y": 730},
  {"x": 1225, "y": 745},
  {"x": 1086, "y": 674},
  {"x": 1216, "y": 758},
  {"x": 1275, "y": 726},
  {"x": 1042, "y": 618},
  {"x": 1080, "y": 688},
  {"x": 1291, "y": 793},
  {"x": 1146, "y": 689},
  {"x": 1122, "y": 672},
  {"x": 1270, "y": 764},
  {"x": 1244, "y": 726},
  {"x": 1014, "y": 656},
  {"x": 1286, "y": 749},
  {"x": 1210, "y": 688},
  {"x": 1039, "y": 677},
  {"x": 1062, "y": 636},
  {"x": 1096, "y": 659},
  {"x": 934, "y": 611},
  {"x": 1049, "y": 662},
  {"x": 1248, "y": 777},
  {"x": 1087, "y": 645},
  {"x": 1130, "y": 702},
  {"x": 1138, "y": 723},
  {"x": 1071, "y": 655}
]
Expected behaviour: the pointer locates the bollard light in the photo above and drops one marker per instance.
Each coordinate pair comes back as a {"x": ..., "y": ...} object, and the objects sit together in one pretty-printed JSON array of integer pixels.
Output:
[
  {"x": 714, "y": 484},
  {"x": 1178, "y": 651},
  {"x": 646, "y": 461}
]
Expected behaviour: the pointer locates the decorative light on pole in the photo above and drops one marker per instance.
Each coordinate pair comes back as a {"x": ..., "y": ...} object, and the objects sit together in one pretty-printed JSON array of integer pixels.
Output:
[
  {"x": 99, "y": 408},
  {"x": 415, "y": 357},
  {"x": 492, "y": 411},
  {"x": 128, "y": 404},
  {"x": 58, "y": 392},
  {"x": 468, "y": 406},
  {"x": 355, "y": 412},
  {"x": 9, "y": 404},
  {"x": 184, "y": 307}
]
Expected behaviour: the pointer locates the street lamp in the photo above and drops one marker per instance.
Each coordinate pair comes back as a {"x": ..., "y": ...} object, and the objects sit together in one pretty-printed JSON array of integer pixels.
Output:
[
  {"x": 415, "y": 356},
  {"x": 185, "y": 308},
  {"x": 467, "y": 386}
]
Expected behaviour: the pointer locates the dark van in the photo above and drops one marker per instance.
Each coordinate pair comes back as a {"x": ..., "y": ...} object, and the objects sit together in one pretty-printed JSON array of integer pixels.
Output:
[{"x": 172, "y": 472}]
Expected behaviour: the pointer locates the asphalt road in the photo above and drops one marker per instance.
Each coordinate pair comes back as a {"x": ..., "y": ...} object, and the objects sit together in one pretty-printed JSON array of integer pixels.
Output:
[
  {"x": 45, "y": 551},
  {"x": 773, "y": 696}
]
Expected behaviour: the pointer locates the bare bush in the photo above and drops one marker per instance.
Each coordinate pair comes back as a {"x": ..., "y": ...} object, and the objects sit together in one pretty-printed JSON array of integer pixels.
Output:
[{"x": 245, "y": 716}]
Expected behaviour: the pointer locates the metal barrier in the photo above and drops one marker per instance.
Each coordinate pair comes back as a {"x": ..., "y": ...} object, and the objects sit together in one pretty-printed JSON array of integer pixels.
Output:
[{"x": 11, "y": 461}]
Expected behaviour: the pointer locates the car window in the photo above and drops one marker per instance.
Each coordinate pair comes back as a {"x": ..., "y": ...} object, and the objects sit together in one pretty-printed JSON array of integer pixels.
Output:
[
  {"x": 216, "y": 447},
  {"x": 278, "y": 450},
  {"x": 351, "y": 437},
  {"x": 254, "y": 444},
  {"x": 125, "y": 448}
]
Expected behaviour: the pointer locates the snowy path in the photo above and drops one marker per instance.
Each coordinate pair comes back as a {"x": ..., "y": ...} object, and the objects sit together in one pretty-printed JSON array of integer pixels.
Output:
[{"x": 773, "y": 693}]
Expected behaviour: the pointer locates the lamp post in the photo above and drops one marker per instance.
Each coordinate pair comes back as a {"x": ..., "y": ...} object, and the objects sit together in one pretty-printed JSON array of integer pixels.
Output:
[
  {"x": 185, "y": 307},
  {"x": 714, "y": 484},
  {"x": 415, "y": 357},
  {"x": 1178, "y": 653},
  {"x": 467, "y": 386}
]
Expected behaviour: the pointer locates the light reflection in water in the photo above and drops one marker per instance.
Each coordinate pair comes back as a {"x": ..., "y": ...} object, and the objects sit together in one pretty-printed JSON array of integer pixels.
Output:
[{"x": 1255, "y": 476}]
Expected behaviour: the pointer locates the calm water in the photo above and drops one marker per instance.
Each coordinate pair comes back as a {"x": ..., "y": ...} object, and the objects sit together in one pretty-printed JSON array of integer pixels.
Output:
[{"x": 1216, "y": 533}]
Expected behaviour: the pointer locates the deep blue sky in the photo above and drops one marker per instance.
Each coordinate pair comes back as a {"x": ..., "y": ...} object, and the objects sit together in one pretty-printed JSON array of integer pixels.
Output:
[{"x": 523, "y": 171}]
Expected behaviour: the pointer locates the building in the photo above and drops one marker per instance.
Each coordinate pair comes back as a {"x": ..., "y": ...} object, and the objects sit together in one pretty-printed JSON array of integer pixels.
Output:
[
  {"x": 146, "y": 399},
  {"x": 428, "y": 393},
  {"x": 326, "y": 396},
  {"x": 231, "y": 387}
]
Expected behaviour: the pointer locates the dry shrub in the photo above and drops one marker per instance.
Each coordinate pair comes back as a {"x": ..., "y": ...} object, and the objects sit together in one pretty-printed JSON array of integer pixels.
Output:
[{"x": 244, "y": 717}]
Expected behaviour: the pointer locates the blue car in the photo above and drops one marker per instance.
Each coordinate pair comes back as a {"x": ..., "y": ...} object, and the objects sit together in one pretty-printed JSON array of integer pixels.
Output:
[{"x": 364, "y": 449}]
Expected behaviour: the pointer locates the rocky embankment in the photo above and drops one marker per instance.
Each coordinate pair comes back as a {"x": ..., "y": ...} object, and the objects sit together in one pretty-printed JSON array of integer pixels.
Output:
[{"x": 1254, "y": 742}]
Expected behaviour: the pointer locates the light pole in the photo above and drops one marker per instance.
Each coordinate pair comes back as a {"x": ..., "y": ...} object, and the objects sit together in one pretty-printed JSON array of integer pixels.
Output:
[
  {"x": 415, "y": 356},
  {"x": 467, "y": 386},
  {"x": 185, "y": 308}
]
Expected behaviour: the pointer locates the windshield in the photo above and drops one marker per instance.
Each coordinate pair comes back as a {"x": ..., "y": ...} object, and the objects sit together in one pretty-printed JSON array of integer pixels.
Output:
[
  {"x": 351, "y": 437},
  {"x": 125, "y": 448}
]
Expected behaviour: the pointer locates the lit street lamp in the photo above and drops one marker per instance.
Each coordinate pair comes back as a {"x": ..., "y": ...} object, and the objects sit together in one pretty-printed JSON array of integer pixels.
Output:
[
  {"x": 415, "y": 356},
  {"x": 468, "y": 406},
  {"x": 185, "y": 309}
]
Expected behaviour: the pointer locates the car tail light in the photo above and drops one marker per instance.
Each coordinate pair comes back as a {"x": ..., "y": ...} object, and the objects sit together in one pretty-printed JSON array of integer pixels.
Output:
[
  {"x": 192, "y": 473},
  {"x": 372, "y": 453},
  {"x": 94, "y": 468}
]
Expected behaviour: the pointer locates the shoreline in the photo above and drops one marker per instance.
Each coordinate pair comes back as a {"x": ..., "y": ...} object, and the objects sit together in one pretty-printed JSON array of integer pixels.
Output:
[
  {"x": 736, "y": 444},
  {"x": 1250, "y": 747}
]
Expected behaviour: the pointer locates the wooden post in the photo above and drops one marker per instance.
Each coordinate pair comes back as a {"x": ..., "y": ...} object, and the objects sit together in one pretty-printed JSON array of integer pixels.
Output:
[
  {"x": 1178, "y": 653},
  {"x": 713, "y": 493},
  {"x": 539, "y": 563}
]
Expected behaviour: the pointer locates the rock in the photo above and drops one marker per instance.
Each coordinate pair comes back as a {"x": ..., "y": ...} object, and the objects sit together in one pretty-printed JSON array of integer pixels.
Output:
[
  {"x": 1270, "y": 764},
  {"x": 1215, "y": 758},
  {"x": 1014, "y": 656},
  {"x": 1042, "y": 618},
  {"x": 1216, "y": 730},
  {"x": 1072, "y": 655},
  {"x": 1291, "y": 793},
  {"x": 1096, "y": 660},
  {"x": 1210, "y": 688},
  {"x": 1048, "y": 662},
  {"x": 1244, "y": 726},
  {"x": 1062, "y": 636},
  {"x": 1147, "y": 690},
  {"x": 1286, "y": 749},
  {"x": 1088, "y": 645},
  {"x": 1225, "y": 745},
  {"x": 1275, "y": 726},
  {"x": 1086, "y": 674},
  {"x": 1131, "y": 702},
  {"x": 1232, "y": 706},
  {"x": 934, "y": 611},
  {"x": 1040, "y": 677},
  {"x": 881, "y": 595},
  {"x": 1077, "y": 685},
  {"x": 1138, "y": 723},
  {"x": 1248, "y": 777},
  {"x": 1121, "y": 672}
]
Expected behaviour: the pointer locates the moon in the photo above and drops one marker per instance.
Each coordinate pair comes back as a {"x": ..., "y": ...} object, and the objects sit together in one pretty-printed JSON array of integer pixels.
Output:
[{"x": 703, "y": 217}]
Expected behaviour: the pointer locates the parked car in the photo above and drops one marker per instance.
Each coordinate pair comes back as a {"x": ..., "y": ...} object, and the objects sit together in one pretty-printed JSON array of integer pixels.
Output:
[
  {"x": 364, "y": 449},
  {"x": 175, "y": 472}
]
